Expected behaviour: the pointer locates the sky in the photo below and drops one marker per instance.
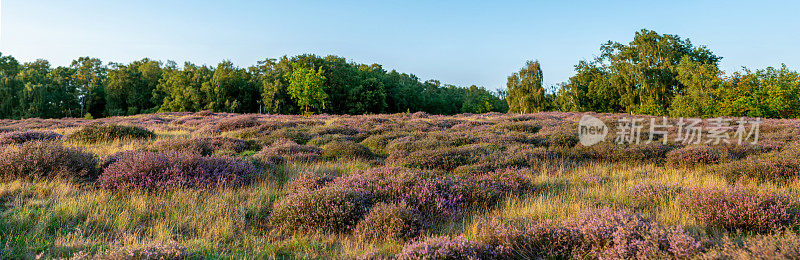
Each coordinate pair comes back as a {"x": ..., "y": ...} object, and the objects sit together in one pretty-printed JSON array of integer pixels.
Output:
[{"x": 457, "y": 42}]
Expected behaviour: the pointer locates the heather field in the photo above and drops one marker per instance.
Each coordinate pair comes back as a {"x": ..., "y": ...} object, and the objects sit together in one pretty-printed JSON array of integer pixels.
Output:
[{"x": 407, "y": 186}]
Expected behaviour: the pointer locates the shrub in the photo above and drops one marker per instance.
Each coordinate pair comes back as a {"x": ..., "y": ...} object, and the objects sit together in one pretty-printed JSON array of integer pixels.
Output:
[
  {"x": 168, "y": 170},
  {"x": 562, "y": 139},
  {"x": 744, "y": 209},
  {"x": 447, "y": 248},
  {"x": 523, "y": 239},
  {"x": 204, "y": 113},
  {"x": 387, "y": 222},
  {"x": 648, "y": 195},
  {"x": 446, "y": 159},
  {"x": 697, "y": 155},
  {"x": 346, "y": 150},
  {"x": 19, "y": 137},
  {"x": 173, "y": 250},
  {"x": 328, "y": 210},
  {"x": 105, "y": 133},
  {"x": 521, "y": 126},
  {"x": 307, "y": 182},
  {"x": 237, "y": 122},
  {"x": 283, "y": 151},
  {"x": 653, "y": 152},
  {"x": 606, "y": 233},
  {"x": 205, "y": 145},
  {"x": 772, "y": 246},
  {"x": 297, "y": 135},
  {"x": 46, "y": 160},
  {"x": 335, "y": 129},
  {"x": 782, "y": 166}
]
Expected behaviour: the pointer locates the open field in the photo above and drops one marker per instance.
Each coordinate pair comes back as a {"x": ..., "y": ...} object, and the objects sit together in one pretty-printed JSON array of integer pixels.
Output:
[{"x": 487, "y": 186}]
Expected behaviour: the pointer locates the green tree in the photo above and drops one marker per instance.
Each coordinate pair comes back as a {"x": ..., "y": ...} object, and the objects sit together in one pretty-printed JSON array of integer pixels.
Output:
[
  {"x": 525, "y": 91},
  {"x": 89, "y": 75},
  {"x": 306, "y": 86},
  {"x": 698, "y": 97}
]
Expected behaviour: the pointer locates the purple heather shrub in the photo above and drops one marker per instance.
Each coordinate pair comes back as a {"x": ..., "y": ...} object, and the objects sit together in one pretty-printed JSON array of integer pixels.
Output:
[
  {"x": 388, "y": 222},
  {"x": 283, "y": 151},
  {"x": 19, "y": 137},
  {"x": 322, "y": 140},
  {"x": 106, "y": 133},
  {"x": 205, "y": 145},
  {"x": 529, "y": 240},
  {"x": 335, "y": 129},
  {"x": 606, "y": 233},
  {"x": 204, "y": 113},
  {"x": 691, "y": 156},
  {"x": 326, "y": 210},
  {"x": 173, "y": 250},
  {"x": 308, "y": 182},
  {"x": 46, "y": 160},
  {"x": 346, "y": 150},
  {"x": 447, "y": 158},
  {"x": 237, "y": 122},
  {"x": 740, "y": 151},
  {"x": 775, "y": 166},
  {"x": 770, "y": 246},
  {"x": 446, "y": 247},
  {"x": 168, "y": 170},
  {"x": 655, "y": 152},
  {"x": 647, "y": 195},
  {"x": 741, "y": 208},
  {"x": 561, "y": 139},
  {"x": 420, "y": 115},
  {"x": 520, "y": 126},
  {"x": 297, "y": 135}
]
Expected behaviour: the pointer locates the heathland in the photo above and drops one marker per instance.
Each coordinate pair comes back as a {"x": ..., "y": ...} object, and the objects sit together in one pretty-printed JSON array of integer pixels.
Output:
[{"x": 407, "y": 185}]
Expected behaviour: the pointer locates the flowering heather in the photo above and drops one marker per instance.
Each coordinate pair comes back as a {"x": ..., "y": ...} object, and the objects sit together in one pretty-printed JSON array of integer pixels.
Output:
[
  {"x": 771, "y": 246},
  {"x": 297, "y": 135},
  {"x": 654, "y": 152},
  {"x": 520, "y": 126},
  {"x": 446, "y": 247},
  {"x": 168, "y": 170},
  {"x": 387, "y": 222},
  {"x": 781, "y": 166},
  {"x": 561, "y": 139},
  {"x": 173, "y": 250},
  {"x": 326, "y": 210},
  {"x": 205, "y": 145},
  {"x": 19, "y": 137},
  {"x": 744, "y": 209},
  {"x": 46, "y": 160},
  {"x": 237, "y": 122},
  {"x": 607, "y": 233},
  {"x": 691, "y": 156},
  {"x": 308, "y": 182},
  {"x": 446, "y": 159},
  {"x": 344, "y": 150},
  {"x": 335, "y": 129},
  {"x": 529, "y": 240},
  {"x": 652, "y": 194},
  {"x": 282, "y": 151},
  {"x": 105, "y": 133},
  {"x": 740, "y": 151}
]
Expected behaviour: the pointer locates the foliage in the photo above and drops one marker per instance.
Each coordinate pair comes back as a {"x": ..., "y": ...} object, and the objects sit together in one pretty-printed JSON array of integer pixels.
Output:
[
  {"x": 326, "y": 210},
  {"x": 447, "y": 248},
  {"x": 742, "y": 209},
  {"x": 389, "y": 222},
  {"x": 111, "y": 132},
  {"x": 46, "y": 160},
  {"x": 525, "y": 91},
  {"x": 19, "y": 137}
]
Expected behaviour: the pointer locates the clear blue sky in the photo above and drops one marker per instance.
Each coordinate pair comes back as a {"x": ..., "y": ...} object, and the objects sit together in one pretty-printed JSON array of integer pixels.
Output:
[{"x": 457, "y": 42}]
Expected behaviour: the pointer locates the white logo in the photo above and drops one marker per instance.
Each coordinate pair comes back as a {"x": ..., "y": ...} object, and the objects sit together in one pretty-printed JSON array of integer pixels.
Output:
[{"x": 591, "y": 130}]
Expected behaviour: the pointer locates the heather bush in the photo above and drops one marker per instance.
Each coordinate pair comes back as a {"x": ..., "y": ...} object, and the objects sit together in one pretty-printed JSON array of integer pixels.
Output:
[
  {"x": 653, "y": 152},
  {"x": 606, "y": 233},
  {"x": 173, "y": 250},
  {"x": 204, "y": 113},
  {"x": 237, "y": 122},
  {"x": 647, "y": 195},
  {"x": 528, "y": 240},
  {"x": 346, "y": 150},
  {"x": 447, "y": 159},
  {"x": 781, "y": 166},
  {"x": 283, "y": 151},
  {"x": 447, "y": 248},
  {"x": 740, "y": 151},
  {"x": 46, "y": 160},
  {"x": 691, "y": 156},
  {"x": 19, "y": 137},
  {"x": 326, "y": 210},
  {"x": 297, "y": 135},
  {"x": 522, "y": 126},
  {"x": 308, "y": 182},
  {"x": 744, "y": 209},
  {"x": 106, "y": 133},
  {"x": 322, "y": 140},
  {"x": 771, "y": 246},
  {"x": 388, "y": 222},
  {"x": 335, "y": 129},
  {"x": 561, "y": 139},
  {"x": 168, "y": 170},
  {"x": 205, "y": 145}
]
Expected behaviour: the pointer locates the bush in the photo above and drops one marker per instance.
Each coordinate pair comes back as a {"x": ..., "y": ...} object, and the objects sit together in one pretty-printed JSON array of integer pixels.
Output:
[
  {"x": 346, "y": 150},
  {"x": 283, "y": 151},
  {"x": 522, "y": 126},
  {"x": 168, "y": 170},
  {"x": 106, "y": 133},
  {"x": 173, "y": 250},
  {"x": 613, "y": 234},
  {"x": 744, "y": 209},
  {"x": 205, "y": 145},
  {"x": 691, "y": 156},
  {"x": 772, "y": 246},
  {"x": 782, "y": 166},
  {"x": 237, "y": 122},
  {"x": 447, "y": 248},
  {"x": 523, "y": 239},
  {"x": 46, "y": 160},
  {"x": 307, "y": 182},
  {"x": 562, "y": 139},
  {"x": 19, "y": 137},
  {"x": 388, "y": 222},
  {"x": 446, "y": 159},
  {"x": 328, "y": 210},
  {"x": 649, "y": 195},
  {"x": 652, "y": 152}
]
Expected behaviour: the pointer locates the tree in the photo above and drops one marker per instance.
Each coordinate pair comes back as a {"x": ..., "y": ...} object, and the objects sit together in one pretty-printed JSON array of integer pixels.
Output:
[
  {"x": 525, "y": 91},
  {"x": 89, "y": 75},
  {"x": 10, "y": 86},
  {"x": 306, "y": 86},
  {"x": 697, "y": 98}
]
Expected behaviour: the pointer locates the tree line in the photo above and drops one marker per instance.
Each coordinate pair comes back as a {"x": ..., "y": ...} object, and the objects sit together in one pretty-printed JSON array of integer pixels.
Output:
[
  {"x": 659, "y": 74},
  {"x": 288, "y": 85}
]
